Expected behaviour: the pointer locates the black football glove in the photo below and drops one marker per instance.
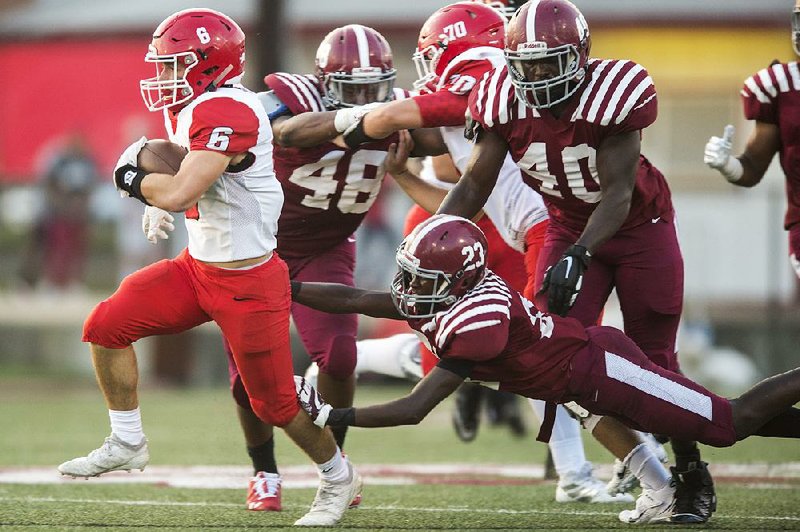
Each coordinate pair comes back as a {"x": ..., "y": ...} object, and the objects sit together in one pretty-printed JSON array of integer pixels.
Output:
[{"x": 563, "y": 280}]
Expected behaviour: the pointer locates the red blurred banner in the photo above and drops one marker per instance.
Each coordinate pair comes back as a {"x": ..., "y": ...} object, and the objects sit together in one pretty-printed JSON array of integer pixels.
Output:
[{"x": 54, "y": 89}]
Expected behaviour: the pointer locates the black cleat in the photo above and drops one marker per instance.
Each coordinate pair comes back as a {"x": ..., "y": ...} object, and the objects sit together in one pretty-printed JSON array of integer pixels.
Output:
[
  {"x": 695, "y": 498},
  {"x": 466, "y": 412}
]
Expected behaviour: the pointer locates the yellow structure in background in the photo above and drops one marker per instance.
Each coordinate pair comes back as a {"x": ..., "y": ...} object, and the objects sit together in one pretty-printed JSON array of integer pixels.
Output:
[{"x": 696, "y": 59}]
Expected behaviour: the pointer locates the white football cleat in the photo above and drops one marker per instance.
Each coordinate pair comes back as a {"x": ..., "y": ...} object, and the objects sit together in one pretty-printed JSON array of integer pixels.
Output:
[
  {"x": 652, "y": 506},
  {"x": 113, "y": 455},
  {"x": 582, "y": 486},
  {"x": 331, "y": 501}
]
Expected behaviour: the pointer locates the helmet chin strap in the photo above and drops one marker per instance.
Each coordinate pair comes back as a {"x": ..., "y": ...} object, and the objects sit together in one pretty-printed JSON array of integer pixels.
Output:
[{"x": 214, "y": 84}]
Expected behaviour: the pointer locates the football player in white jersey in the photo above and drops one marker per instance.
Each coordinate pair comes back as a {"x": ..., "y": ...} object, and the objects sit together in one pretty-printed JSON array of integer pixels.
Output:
[{"x": 228, "y": 274}]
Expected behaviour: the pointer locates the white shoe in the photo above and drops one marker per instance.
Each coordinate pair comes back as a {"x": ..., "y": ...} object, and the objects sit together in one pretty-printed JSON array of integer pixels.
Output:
[
  {"x": 622, "y": 479},
  {"x": 113, "y": 455},
  {"x": 582, "y": 486},
  {"x": 332, "y": 500},
  {"x": 652, "y": 506}
]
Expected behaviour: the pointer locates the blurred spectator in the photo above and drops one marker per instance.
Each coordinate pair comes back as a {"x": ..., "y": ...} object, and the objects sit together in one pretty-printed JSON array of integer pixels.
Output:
[{"x": 56, "y": 252}]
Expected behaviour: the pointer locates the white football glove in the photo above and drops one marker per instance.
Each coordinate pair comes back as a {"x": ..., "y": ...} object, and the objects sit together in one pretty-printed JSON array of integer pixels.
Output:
[
  {"x": 347, "y": 118},
  {"x": 718, "y": 156},
  {"x": 311, "y": 401},
  {"x": 129, "y": 156},
  {"x": 155, "y": 224}
]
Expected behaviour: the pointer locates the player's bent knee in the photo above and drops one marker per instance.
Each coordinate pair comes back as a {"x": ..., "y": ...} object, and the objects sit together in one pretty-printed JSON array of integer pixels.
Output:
[
  {"x": 101, "y": 329},
  {"x": 340, "y": 361},
  {"x": 240, "y": 394},
  {"x": 275, "y": 414}
]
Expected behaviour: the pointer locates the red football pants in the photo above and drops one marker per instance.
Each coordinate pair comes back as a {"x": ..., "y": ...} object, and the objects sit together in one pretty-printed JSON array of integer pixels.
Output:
[{"x": 251, "y": 308}]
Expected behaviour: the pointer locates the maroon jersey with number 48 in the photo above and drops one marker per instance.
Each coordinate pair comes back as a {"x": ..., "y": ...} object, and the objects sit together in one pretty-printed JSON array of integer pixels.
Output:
[
  {"x": 327, "y": 189},
  {"x": 510, "y": 341},
  {"x": 772, "y": 95},
  {"x": 558, "y": 156}
]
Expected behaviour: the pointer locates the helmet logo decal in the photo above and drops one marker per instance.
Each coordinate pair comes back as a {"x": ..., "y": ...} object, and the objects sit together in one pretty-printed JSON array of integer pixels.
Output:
[
  {"x": 470, "y": 263},
  {"x": 454, "y": 31},
  {"x": 202, "y": 34}
]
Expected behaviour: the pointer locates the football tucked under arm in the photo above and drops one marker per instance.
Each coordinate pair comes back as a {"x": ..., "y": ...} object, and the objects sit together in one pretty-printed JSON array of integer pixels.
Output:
[{"x": 161, "y": 157}]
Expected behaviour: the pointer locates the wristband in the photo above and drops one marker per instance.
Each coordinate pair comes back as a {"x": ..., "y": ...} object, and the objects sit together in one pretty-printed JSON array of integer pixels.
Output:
[
  {"x": 357, "y": 137},
  {"x": 129, "y": 179},
  {"x": 733, "y": 169},
  {"x": 295, "y": 285},
  {"x": 341, "y": 417}
]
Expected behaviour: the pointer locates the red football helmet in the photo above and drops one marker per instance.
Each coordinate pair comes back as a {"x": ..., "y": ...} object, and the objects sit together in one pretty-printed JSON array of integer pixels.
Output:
[
  {"x": 194, "y": 50},
  {"x": 441, "y": 260},
  {"x": 451, "y": 31},
  {"x": 507, "y": 8},
  {"x": 547, "y": 50},
  {"x": 354, "y": 65}
]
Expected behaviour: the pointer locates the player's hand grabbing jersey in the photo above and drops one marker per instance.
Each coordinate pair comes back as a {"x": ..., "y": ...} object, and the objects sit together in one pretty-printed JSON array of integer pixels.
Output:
[
  {"x": 237, "y": 217},
  {"x": 772, "y": 95},
  {"x": 558, "y": 156},
  {"x": 328, "y": 189},
  {"x": 507, "y": 338}
]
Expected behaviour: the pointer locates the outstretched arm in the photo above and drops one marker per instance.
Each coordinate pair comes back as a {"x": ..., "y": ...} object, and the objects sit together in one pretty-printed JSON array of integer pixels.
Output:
[
  {"x": 342, "y": 299},
  {"x": 408, "y": 410},
  {"x": 479, "y": 178},
  {"x": 305, "y": 130}
]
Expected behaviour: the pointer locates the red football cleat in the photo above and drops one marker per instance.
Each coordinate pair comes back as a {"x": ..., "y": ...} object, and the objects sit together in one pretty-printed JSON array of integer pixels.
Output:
[{"x": 264, "y": 492}]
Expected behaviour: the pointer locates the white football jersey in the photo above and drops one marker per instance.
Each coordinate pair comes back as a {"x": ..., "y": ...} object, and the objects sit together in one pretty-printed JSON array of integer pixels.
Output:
[
  {"x": 237, "y": 217},
  {"x": 513, "y": 207}
]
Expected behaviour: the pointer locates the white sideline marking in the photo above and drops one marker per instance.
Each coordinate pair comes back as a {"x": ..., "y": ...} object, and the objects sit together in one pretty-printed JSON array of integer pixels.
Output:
[
  {"x": 305, "y": 476},
  {"x": 392, "y": 507}
]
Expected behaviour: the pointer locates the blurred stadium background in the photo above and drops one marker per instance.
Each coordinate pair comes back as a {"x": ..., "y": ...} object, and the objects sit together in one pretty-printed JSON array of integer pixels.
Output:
[
  {"x": 70, "y": 76},
  {"x": 70, "y": 73}
]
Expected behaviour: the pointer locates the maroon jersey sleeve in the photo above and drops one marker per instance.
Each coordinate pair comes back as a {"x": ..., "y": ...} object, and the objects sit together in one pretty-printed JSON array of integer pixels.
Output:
[
  {"x": 224, "y": 125},
  {"x": 300, "y": 93},
  {"x": 629, "y": 101},
  {"x": 760, "y": 94}
]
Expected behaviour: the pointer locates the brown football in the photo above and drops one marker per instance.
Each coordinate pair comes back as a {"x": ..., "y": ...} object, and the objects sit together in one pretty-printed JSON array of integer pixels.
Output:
[{"x": 160, "y": 156}]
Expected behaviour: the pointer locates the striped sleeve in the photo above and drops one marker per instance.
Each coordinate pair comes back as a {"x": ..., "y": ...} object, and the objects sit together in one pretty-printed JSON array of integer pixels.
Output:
[
  {"x": 761, "y": 92},
  {"x": 476, "y": 328},
  {"x": 300, "y": 93},
  {"x": 620, "y": 95},
  {"x": 492, "y": 100}
]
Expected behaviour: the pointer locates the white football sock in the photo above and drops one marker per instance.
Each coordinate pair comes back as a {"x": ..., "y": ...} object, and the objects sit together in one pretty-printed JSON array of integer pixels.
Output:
[
  {"x": 127, "y": 425},
  {"x": 644, "y": 464},
  {"x": 387, "y": 356},
  {"x": 565, "y": 444},
  {"x": 335, "y": 469}
]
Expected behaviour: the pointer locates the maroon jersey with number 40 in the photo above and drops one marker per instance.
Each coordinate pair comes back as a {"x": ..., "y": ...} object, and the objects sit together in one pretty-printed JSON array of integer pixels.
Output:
[
  {"x": 510, "y": 341},
  {"x": 327, "y": 189},
  {"x": 558, "y": 156}
]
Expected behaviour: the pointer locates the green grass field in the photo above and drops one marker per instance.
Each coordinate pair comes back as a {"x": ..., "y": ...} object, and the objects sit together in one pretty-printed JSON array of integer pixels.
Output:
[{"x": 46, "y": 420}]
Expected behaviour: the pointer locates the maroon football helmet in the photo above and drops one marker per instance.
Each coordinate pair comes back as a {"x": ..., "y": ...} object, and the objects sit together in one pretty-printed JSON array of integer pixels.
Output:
[
  {"x": 354, "y": 65},
  {"x": 547, "y": 50},
  {"x": 441, "y": 260},
  {"x": 194, "y": 50},
  {"x": 451, "y": 31}
]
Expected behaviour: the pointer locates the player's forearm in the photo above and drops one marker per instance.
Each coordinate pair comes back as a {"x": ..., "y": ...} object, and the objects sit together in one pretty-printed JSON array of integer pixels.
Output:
[
  {"x": 423, "y": 193},
  {"x": 385, "y": 120},
  {"x": 605, "y": 221},
  {"x": 307, "y": 130},
  {"x": 466, "y": 199},
  {"x": 337, "y": 298},
  {"x": 392, "y": 414},
  {"x": 165, "y": 192},
  {"x": 752, "y": 171}
]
